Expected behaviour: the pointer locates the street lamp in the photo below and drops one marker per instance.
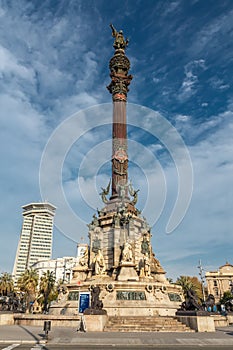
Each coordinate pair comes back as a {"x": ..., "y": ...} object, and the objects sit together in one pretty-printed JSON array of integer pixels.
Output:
[{"x": 202, "y": 276}]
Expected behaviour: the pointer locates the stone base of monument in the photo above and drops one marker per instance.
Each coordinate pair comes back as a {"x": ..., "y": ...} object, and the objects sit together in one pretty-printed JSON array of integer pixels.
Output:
[
  {"x": 127, "y": 272},
  {"x": 220, "y": 320},
  {"x": 125, "y": 298},
  {"x": 67, "y": 308},
  {"x": 94, "y": 322},
  {"x": 91, "y": 311},
  {"x": 200, "y": 321},
  {"x": 230, "y": 317},
  {"x": 192, "y": 313},
  {"x": 6, "y": 319},
  {"x": 79, "y": 274}
]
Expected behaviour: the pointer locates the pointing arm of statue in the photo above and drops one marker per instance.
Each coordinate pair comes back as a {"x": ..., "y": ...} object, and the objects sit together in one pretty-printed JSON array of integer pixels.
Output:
[
  {"x": 114, "y": 31},
  {"x": 120, "y": 42}
]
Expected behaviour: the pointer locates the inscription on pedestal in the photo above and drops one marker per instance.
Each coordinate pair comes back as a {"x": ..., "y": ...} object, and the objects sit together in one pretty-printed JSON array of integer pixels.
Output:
[
  {"x": 130, "y": 295},
  {"x": 73, "y": 296},
  {"x": 174, "y": 297}
]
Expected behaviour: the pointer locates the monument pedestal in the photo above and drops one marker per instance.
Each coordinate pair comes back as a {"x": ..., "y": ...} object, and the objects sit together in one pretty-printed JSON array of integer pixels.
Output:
[
  {"x": 200, "y": 321},
  {"x": 79, "y": 274},
  {"x": 127, "y": 272},
  {"x": 94, "y": 323}
]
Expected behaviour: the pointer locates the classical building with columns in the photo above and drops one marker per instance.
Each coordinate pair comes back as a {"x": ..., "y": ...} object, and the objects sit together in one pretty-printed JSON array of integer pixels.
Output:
[{"x": 220, "y": 281}]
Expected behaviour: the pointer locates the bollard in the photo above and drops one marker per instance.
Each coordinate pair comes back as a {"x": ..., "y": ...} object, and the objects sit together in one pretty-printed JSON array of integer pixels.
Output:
[
  {"x": 82, "y": 326},
  {"x": 47, "y": 328}
]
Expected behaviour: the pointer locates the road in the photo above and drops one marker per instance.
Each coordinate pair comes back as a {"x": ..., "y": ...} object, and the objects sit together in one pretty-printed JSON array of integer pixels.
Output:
[{"x": 94, "y": 347}]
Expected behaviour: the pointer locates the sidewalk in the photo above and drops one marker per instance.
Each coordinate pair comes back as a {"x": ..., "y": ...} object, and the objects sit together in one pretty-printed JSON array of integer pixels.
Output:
[
  {"x": 21, "y": 334},
  {"x": 61, "y": 335}
]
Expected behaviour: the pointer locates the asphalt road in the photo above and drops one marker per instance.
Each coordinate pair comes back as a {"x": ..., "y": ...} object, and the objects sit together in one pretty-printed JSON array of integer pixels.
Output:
[{"x": 94, "y": 347}]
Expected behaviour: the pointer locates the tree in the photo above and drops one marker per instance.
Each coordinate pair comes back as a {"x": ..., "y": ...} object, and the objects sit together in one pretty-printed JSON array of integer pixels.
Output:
[
  {"x": 170, "y": 280},
  {"x": 6, "y": 283},
  {"x": 47, "y": 289},
  {"x": 190, "y": 283},
  {"x": 28, "y": 283},
  {"x": 198, "y": 288},
  {"x": 227, "y": 300}
]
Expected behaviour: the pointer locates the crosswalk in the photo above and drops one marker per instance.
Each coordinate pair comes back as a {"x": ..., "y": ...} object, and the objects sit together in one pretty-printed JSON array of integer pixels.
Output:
[
  {"x": 37, "y": 347},
  {"x": 34, "y": 347}
]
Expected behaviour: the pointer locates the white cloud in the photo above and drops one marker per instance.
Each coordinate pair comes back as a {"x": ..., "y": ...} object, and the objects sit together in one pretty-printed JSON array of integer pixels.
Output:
[
  {"x": 208, "y": 222},
  {"x": 211, "y": 37},
  {"x": 218, "y": 84},
  {"x": 155, "y": 80},
  {"x": 189, "y": 84},
  {"x": 36, "y": 77},
  {"x": 182, "y": 118},
  {"x": 9, "y": 65}
]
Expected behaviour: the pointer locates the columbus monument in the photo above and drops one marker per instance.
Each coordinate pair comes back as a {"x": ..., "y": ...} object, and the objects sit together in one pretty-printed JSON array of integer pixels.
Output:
[{"x": 119, "y": 262}]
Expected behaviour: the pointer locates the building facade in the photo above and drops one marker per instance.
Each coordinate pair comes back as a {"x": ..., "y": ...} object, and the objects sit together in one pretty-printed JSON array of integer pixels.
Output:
[
  {"x": 220, "y": 281},
  {"x": 61, "y": 267},
  {"x": 36, "y": 236}
]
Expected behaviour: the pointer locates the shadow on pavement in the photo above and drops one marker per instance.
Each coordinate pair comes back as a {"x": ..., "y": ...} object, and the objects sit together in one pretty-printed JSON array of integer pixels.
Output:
[
  {"x": 37, "y": 339},
  {"x": 225, "y": 330}
]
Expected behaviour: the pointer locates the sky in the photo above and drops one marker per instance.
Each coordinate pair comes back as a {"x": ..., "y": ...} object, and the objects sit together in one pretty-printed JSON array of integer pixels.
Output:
[{"x": 55, "y": 121}]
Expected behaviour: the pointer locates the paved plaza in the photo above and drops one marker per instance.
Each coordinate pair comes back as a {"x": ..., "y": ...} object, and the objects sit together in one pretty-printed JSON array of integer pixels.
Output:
[{"x": 69, "y": 336}]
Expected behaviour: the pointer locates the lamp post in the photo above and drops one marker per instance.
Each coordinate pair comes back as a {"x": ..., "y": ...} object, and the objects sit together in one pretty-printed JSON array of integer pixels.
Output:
[{"x": 202, "y": 276}]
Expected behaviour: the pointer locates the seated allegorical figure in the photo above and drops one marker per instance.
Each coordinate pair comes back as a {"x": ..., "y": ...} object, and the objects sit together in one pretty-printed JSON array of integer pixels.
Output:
[
  {"x": 99, "y": 263},
  {"x": 127, "y": 254}
]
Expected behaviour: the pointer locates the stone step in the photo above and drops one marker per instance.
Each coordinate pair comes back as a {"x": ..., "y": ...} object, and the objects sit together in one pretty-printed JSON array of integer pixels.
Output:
[
  {"x": 145, "y": 324},
  {"x": 154, "y": 318},
  {"x": 149, "y": 330},
  {"x": 170, "y": 322}
]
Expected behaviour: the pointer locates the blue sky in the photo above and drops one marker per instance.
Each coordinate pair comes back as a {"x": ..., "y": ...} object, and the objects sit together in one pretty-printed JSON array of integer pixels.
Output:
[{"x": 54, "y": 64}]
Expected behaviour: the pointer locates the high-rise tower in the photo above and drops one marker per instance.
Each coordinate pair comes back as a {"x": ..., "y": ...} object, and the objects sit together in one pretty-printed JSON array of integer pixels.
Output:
[{"x": 35, "y": 241}]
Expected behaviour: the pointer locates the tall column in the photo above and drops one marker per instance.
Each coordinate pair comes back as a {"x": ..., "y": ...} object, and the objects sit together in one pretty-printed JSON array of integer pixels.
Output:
[{"x": 119, "y": 66}]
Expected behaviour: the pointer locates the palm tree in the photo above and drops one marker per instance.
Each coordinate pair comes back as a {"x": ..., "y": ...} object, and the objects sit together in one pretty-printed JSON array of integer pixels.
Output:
[
  {"x": 188, "y": 284},
  {"x": 47, "y": 289},
  {"x": 6, "y": 283},
  {"x": 28, "y": 283},
  {"x": 185, "y": 283}
]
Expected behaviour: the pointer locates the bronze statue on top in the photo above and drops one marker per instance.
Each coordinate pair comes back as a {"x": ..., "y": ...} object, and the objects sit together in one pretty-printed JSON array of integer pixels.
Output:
[{"x": 120, "y": 42}]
